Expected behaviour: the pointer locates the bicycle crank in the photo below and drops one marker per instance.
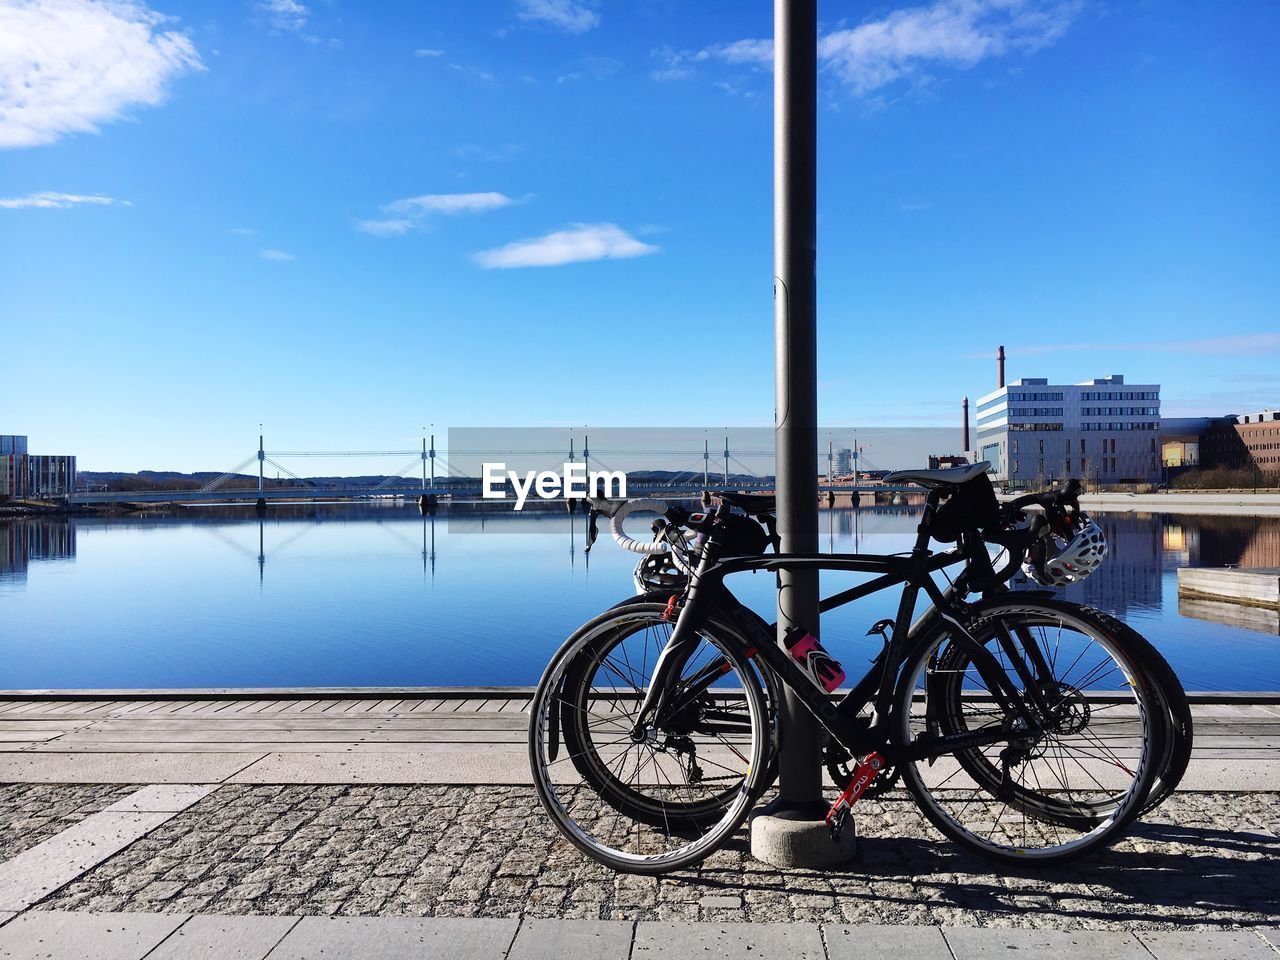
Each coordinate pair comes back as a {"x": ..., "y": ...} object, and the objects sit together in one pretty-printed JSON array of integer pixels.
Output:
[
  {"x": 841, "y": 770},
  {"x": 863, "y": 776}
]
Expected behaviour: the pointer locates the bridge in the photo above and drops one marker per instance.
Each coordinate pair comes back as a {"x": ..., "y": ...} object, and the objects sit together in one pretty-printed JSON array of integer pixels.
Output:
[{"x": 431, "y": 487}]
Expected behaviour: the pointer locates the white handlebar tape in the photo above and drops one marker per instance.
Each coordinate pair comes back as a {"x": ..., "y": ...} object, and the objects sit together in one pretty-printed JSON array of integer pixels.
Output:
[{"x": 630, "y": 543}]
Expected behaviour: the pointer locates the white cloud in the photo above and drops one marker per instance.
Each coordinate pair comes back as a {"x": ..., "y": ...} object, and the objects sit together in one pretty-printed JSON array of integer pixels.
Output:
[
  {"x": 424, "y": 52},
  {"x": 957, "y": 33},
  {"x": 67, "y": 66},
  {"x": 450, "y": 203},
  {"x": 574, "y": 244},
  {"x": 286, "y": 14},
  {"x": 904, "y": 43},
  {"x": 277, "y": 255},
  {"x": 60, "y": 201},
  {"x": 385, "y": 228},
  {"x": 569, "y": 15},
  {"x": 413, "y": 212},
  {"x": 241, "y": 231},
  {"x": 757, "y": 53}
]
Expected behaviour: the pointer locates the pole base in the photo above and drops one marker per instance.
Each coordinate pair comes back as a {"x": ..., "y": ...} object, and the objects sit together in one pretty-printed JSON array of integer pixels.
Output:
[{"x": 790, "y": 838}]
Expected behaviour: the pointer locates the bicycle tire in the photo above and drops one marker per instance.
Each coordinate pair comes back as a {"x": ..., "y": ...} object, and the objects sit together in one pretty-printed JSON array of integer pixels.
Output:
[
  {"x": 577, "y": 733},
  {"x": 1068, "y": 827},
  {"x": 563, "y": 805},
  {"x": 1181, "y": 729},
  {"x": 767, "y": 678},
  {"x": 1168, "y": 688}
]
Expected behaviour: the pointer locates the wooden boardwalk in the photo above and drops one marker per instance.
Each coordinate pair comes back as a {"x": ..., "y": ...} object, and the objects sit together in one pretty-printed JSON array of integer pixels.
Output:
[{"x": 454, "y": 736}]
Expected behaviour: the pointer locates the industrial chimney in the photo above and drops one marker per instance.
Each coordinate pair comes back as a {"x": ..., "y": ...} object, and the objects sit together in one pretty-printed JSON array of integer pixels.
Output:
[
  {"x": 1000, "y": 366},
  {"x": 965, "y": 448}
]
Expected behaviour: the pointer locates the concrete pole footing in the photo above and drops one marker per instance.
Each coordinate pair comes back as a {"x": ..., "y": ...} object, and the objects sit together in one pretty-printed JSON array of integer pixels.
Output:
[{"x": 789, "y": 839}]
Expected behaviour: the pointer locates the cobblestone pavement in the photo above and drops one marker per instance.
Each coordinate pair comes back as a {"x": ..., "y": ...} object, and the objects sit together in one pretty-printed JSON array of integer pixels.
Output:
[
  {"x": 32, "y": 813},
  {"x": 1202, "y": 859}
]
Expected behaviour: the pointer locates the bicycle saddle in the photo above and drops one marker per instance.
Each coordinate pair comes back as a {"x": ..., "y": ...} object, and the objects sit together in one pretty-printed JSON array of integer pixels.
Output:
[{"x": 948, "y": 477}]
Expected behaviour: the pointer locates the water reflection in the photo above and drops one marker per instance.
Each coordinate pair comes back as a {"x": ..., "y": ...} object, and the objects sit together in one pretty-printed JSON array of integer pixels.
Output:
[
  {"x": 381, "y": 594},
  {"x": 34, "y": 541},
  {"x": 1131, "y": 579}
]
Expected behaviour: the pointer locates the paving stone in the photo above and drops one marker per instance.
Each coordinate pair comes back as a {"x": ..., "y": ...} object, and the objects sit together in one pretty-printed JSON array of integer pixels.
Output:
[
  {"x": 846, "y": 942},
  {"x": 490, "y": 851},
  {"x": 118, "y": 768},
  {"x": 727, "y": 941},
  {"x": 573, "y": 940},
  {"x": 981, "y": 943},
  {"x": 6, "y": 916},
  {"x": 1271, "y": 935},
  {"x": 224, "y": 938},
  {"x": 162, "y": 798},
  {"x": 31, "y": 813},
  {"x": 84, "y": 936},
  {"x": 397, "y": 938},
  {"x": 1206, "y": 945},
  {"x": 38, "y": 871}
]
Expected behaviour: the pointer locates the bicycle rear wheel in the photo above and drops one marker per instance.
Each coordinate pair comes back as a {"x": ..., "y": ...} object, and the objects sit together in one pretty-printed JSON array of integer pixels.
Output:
[
  {"x": 1180, "y": 735},
  {"x": 1051, "y": 791},
  {"x": 1174, "y": 711},
  {"x": 664, "y": 798}
]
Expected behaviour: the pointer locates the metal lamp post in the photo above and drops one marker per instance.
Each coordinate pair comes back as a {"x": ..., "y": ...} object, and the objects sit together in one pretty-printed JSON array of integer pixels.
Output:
[{"x": 791, "y": 832}]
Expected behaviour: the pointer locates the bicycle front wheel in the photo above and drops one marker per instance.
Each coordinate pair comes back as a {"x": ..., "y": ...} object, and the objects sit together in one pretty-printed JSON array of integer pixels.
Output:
[
  {"x": 664, "y": 798},
  {"x": 1049, "y": 788}
]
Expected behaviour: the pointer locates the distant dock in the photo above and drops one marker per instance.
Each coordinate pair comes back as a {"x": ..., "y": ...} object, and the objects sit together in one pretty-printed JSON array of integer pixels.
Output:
[{"x": 1255, "y": 587}]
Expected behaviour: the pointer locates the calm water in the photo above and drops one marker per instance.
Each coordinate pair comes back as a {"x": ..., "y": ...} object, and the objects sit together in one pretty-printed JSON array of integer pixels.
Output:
[{"x": 366, "y": 595}]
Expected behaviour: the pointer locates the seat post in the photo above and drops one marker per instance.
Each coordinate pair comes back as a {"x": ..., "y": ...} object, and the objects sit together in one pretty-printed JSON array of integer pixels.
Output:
[{"x": 926, "y": 522}]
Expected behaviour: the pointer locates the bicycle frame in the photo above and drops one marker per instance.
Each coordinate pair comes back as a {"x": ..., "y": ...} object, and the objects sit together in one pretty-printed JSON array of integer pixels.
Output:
[{"x": 707, "y": 595}]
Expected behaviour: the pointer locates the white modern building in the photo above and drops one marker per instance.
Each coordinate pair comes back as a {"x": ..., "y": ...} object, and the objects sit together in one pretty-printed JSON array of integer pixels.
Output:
[
  {"x": 843, "y": 462},
  {"x": 1101, "y": 431}
]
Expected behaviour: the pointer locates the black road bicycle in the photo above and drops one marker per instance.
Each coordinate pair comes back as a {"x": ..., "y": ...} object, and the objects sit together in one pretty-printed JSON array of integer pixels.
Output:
[{"x": 1028, "y": 729}]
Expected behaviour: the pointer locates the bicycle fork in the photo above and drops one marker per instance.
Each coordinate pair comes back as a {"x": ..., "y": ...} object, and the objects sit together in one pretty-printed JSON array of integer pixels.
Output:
[{"x": 667, "y": 667}]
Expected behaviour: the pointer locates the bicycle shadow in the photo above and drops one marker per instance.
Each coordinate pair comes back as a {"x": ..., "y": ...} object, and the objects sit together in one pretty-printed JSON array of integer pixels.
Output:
[{"x": 1160, "y": 874}]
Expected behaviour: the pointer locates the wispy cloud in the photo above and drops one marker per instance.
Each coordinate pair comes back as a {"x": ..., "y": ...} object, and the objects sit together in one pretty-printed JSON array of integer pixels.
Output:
[
  {"x": 678, "y": 64},
  {"x": 576, "y": 243},
  {"x": 293, "y": 17},
  {"x": 279, "y": 256},
  {"x": 907, "y": 43},
  {"x": 568, "y": 15},
  {"x": 385, "y": 228},
  {"x": 68, "y": 66},
  {"x": 450, "y": 203},
  {"x": 428, "y": 52},
  {"x": 286, "y": 15},
  {"x": 241, "y": 231},
  {"x": 955, "y": 33},
  {"x": 756, "y": 53},
  {"x": 47, "y": 199},
  {"x": 1238, "y": 345},
  {"x": 414, "y": 212}
]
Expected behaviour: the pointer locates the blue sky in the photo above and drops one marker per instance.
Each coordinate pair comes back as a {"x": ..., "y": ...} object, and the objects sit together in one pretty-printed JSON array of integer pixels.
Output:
[{"x": 347, "y": 220}]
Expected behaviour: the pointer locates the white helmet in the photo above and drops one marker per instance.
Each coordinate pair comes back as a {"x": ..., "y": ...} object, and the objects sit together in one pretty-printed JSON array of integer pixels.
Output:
[{"x": 1055, "y": 562}]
